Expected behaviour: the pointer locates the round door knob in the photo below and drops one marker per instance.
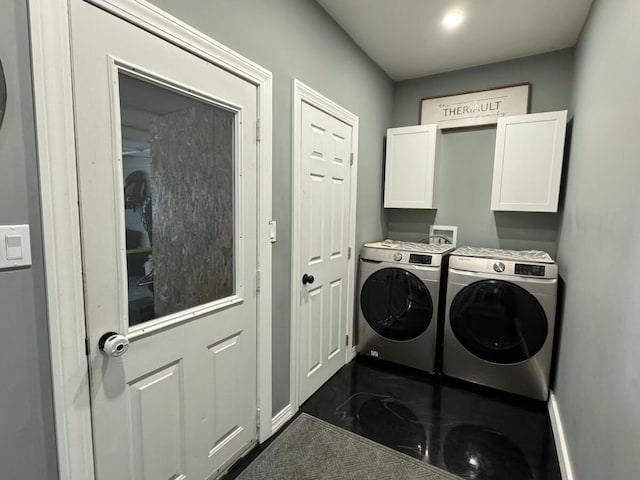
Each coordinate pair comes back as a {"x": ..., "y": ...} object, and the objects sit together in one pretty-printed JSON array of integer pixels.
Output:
[
  {"x": 397, "y": 256},
  {"x": 307, "y": 279},
  {"x": 499, "y": 267},
  {"x": 113, "y": 344}
]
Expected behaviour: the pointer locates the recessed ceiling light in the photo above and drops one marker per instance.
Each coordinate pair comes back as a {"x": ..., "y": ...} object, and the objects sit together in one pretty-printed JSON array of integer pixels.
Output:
[{"x": 453, "y": 19}]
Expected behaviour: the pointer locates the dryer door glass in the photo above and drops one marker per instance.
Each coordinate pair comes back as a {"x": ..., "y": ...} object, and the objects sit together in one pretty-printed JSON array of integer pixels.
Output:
[
  {"x": 498, "y": 321},
  {"x": 396, "y": 304}
]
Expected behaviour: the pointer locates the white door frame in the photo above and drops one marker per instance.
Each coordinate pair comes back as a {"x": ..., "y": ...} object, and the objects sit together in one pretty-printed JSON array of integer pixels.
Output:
[
  {"x": 55, "y": 135},
  {"x": 303, "y": 93}
]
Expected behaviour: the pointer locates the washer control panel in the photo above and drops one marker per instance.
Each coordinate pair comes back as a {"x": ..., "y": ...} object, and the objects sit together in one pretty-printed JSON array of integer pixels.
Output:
[
  {"x": 532, "y": 270},
  {"x": 420, "y": 259},
  {"x": 494, "y": 266},
  {"x": 402, "y": 257}
]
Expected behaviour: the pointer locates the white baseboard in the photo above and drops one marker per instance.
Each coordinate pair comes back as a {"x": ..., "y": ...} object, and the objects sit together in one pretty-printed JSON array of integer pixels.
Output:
[
  {"x": 282, "y": 417},
  {"x": 558, "y": 436},
  {"x": 351, "y": 354}
]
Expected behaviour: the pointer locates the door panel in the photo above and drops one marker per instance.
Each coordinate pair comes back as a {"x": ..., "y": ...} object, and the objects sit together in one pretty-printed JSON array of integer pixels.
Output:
[
  {"x": 325, "y": 184},
  {"x": 335, "y": 305},
  {"x": 313, "y": 338},
  {"x": 158, "y": 410},
  {"x": 315, "y": 238},
  {"x": 226, "y": 407},
  {"x": 171, "y": 265},
  {"x": 338, "y": 198}
]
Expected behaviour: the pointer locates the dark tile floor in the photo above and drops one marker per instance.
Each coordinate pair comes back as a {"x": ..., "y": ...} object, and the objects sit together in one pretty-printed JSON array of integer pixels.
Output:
[{"x": 476, "y": 433}]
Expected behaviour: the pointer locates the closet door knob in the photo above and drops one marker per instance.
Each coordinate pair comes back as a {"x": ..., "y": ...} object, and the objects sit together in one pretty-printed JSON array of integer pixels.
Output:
[{"x": 307, "y": 279}]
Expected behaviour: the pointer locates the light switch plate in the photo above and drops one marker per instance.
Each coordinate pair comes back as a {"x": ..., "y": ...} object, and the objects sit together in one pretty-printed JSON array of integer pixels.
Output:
[{"x": 15, "y": 246}]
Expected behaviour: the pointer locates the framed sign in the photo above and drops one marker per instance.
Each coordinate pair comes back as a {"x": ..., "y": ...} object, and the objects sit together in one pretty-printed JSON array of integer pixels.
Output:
[{"x": 472, "y": 109}]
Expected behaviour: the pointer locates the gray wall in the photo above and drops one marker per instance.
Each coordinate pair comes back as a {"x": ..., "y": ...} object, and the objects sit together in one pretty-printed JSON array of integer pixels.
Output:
[
  {"x": 465, "y": 165},
  {"x": 598, "y": 377},
  {"x": 297, "y": 39},
  {"x": 27, "y": 439}
]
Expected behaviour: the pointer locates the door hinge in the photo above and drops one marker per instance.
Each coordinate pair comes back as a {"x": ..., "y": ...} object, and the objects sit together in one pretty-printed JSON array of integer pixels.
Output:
[
  {"x": 347, "y": 340},
  {"x": 86, "y": 346},
  {"x": 257, "y": 280},
  {"x": 351, "y": 161},
  {"x": 349, "y": 253},
  {"x": 258, "y": 418},
  {"x": 258, "y": 130}
]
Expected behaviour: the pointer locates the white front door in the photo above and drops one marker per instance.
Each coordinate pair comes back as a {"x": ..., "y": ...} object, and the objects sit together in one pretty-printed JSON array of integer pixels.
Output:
[
  {"x": 167, "y": 178},
  {"x": 325, "y": 211}
]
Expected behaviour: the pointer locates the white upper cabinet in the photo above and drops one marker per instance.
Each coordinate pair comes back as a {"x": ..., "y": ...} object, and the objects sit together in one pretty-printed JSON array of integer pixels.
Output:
[
  {"x": 528, "y": 162},
  {"x": 410, "y": 166}
]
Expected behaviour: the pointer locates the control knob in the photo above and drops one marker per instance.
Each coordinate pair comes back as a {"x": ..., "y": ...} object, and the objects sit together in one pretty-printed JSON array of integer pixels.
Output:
[
  {"x": 499, "y": 267},
  {"x": 397, "y": 256}
]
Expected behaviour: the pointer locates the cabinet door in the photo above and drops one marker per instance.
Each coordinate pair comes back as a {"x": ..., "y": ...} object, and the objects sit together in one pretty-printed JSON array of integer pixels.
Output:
[
  {"x": 410, "y": 166},
  {"x": 528, "y": 162}
]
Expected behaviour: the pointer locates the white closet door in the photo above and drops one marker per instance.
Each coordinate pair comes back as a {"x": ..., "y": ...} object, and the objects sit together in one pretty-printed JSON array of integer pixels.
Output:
[{"x": 326, "y": 146}]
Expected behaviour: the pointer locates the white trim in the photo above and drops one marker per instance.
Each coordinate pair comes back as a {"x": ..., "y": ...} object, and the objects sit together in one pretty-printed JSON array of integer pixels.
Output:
[
  {"x": 303, "y": 93},
  {"x": 265, "y": 250},
  {"x": 560, "y": 439},
  {"x": 53, "y": 98},
  {"x": 282, "y": 417},
  {"x": 157, "y": 21},
  {"x": 55, "y": 138},
  {"x": 352, "y": 354}
]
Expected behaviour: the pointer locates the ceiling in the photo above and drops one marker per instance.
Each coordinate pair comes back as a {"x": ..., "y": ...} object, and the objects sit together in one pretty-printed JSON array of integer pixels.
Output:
[{"x": 406, "y": 38}]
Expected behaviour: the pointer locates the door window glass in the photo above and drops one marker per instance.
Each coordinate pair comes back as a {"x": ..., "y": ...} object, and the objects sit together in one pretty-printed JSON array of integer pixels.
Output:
[
  {"x": 498, "y": 321},
  {"x": 179, "y": 197},
  {"x": 396, "y": 304}
]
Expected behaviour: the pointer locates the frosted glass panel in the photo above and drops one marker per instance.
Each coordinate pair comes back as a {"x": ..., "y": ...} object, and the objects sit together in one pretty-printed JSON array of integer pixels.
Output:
[{"x": 178, "y": 166}]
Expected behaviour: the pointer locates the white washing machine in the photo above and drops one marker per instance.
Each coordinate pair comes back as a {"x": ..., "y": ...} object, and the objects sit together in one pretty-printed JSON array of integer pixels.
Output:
[
  {"x": 500, "y": 319},
  {"x": 399, "y": 291}
]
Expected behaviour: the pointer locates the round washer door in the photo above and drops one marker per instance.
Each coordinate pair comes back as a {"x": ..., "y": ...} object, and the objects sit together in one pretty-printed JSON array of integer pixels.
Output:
[
  {"x": 498, "y": 321},
  {"x": 396, "y": 304}
]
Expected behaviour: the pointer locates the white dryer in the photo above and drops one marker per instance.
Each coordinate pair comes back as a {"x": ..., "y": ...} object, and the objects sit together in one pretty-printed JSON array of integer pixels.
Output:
[
  {"x": 399, "y": 291},
  {"x": 500, "y": 319}
]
